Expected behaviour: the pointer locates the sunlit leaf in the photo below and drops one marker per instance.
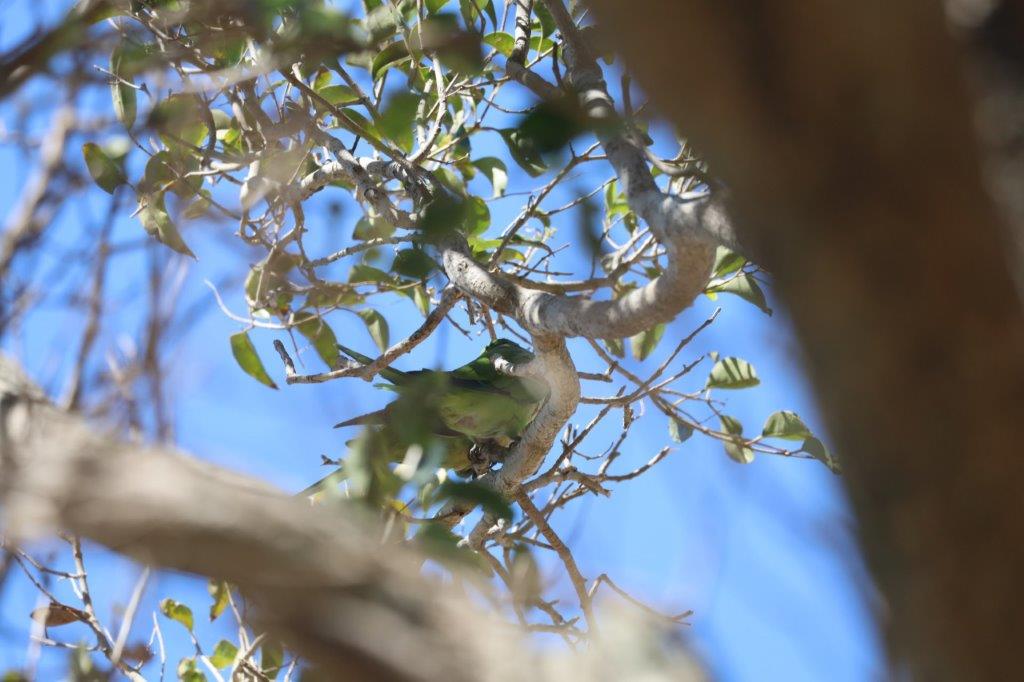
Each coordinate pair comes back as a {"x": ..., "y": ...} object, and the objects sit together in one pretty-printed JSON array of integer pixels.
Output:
[
  {"x": 743, "y": 285},
  {"x": 732, "y": 373},
  {"x": 218, "y": 590},
  {"x": 177, "y": 612},
  {"x": 500, "y": 41},
  {"x": 787, "y": 425},
  {"x": 496, "y": 172},
  {"x": 726, "y": 262},
  {"x": 223, "y": 654},
  {"x": 247, "y": 358}
]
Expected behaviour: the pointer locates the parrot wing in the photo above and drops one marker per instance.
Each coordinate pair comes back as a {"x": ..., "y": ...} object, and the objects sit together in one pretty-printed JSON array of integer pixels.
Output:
[{"x": 393, "y": 375}]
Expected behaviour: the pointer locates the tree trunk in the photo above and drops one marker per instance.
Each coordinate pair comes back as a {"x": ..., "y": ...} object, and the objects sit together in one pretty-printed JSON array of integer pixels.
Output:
[{"x": 844, "y": 132}]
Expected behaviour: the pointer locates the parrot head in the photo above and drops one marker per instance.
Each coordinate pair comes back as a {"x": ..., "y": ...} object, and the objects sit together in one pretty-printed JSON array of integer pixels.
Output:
[{"x": 508, "y": 350}]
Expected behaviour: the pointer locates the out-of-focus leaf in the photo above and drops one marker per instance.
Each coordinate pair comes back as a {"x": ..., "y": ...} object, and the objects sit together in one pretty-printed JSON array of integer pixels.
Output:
[
  {"x": 550, "y": 126},
  {"x": 188, "y": 671},
  {"x": 321, "y": 336},
  {"x": 104, "y": 171},
  {"x": 362, "y": 273},
  {"x": 496, "y": 172},
  {"x": 787, "y": 425},
  {"x": 121, "y": 90},
  {"x": 218, "y": 590},
  {"x": 397, "y": 119},
  {"x": 421, "y": 299},
  {"x": 743, "y": 285},
  {"x": 271, "y": 658},
  {"x": 339, "y": 95},
  {"x": 378, "y": 328},
  {"x": 523, "y": 152},
  {"x": 178, "y": 612},
  {"x": 435, "y": 6},
  {"x": 57, "y": 614},
  {"x": 644, "y": 343},
  {"x": 615, "y": 347},
  {"x": 223, "y": 654},
  {"x": 678, "y": 430},
  {"x": 524, "y": 575},
  {"x": 413, "y": 263},
  {"x": 488, "y": 499},
  {"x": 247, "y": 358},
  {"x": 158, "y": 224},
  {"x": 180, "y": 117},
  {"x": 732, "y": 373}
]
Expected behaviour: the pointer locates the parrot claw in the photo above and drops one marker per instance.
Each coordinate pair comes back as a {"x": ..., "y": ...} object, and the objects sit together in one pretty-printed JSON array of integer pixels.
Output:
[{"x": 484, "y": 455}]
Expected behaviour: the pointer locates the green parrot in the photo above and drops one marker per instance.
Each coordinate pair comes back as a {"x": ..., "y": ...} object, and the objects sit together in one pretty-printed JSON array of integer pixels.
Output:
[{"x": 472, "y": 408}]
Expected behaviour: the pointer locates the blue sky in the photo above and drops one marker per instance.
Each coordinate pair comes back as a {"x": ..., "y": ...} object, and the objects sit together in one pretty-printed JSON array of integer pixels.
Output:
[{"x": 764, "y": 554}]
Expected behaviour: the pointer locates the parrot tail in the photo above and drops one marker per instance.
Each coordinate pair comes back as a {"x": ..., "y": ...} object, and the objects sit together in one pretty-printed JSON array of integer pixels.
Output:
[
  {"x": 392, "y": 375},
  {"x": 368, "y": 418}
]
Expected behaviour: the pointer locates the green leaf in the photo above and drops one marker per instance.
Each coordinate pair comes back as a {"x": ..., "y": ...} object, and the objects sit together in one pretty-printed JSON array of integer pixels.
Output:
[
  {"x": 787, "y": 425},
  {"x": 177, "y": 611},
  {"x": 271, "y": 658},
  {"x": 321, "y": 336},
  {"x": 397, "y": 119},
  {"x": 223, "y": 654},
  {"x": 188, "y": 671},
  {"x": 478, "y": 216},
  {"x": 678, "y": 430},
  {"x": 615, "y": 347},
  {"x": 377, "y": 326},
  {"x": 104, "y": 170},
  {"x": 247, "y": 358},
  {"x": 219, "y": 591},
  {"x": 732, "y": 373},
  {"x": 388, "y": 57},
  {"x": 496, "y": 172},
  {"x": 413, "y": 263},
  {"x": 338, "y": 94},
  {"x": 727, "y": 262},
  {"x": 180, "y": 117},
  {"x": 421, "y": 299},
  {"x": 121, "y": 91},
  {"x": 159, "y": 225},
  {"x": 547, "y": 22},
  {"x": 550, "y": 126},
  {"x": 362, "y": 273},
  {"x": 743, "y": 285},
  {"x": 644, "y": 343},
  {"x": 523, "y": 151},
  {"x": 819, "y": 451},
  {"x": 735, "y": 445},
  {"x": 435, "y": 6},
  {"x": 490, "y": 500},
  {"x": 500, "y": 41}
]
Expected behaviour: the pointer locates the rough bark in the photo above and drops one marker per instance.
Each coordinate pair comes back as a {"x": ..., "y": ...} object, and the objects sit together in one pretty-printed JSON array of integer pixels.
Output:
[{"x": 843, "y": 131}]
